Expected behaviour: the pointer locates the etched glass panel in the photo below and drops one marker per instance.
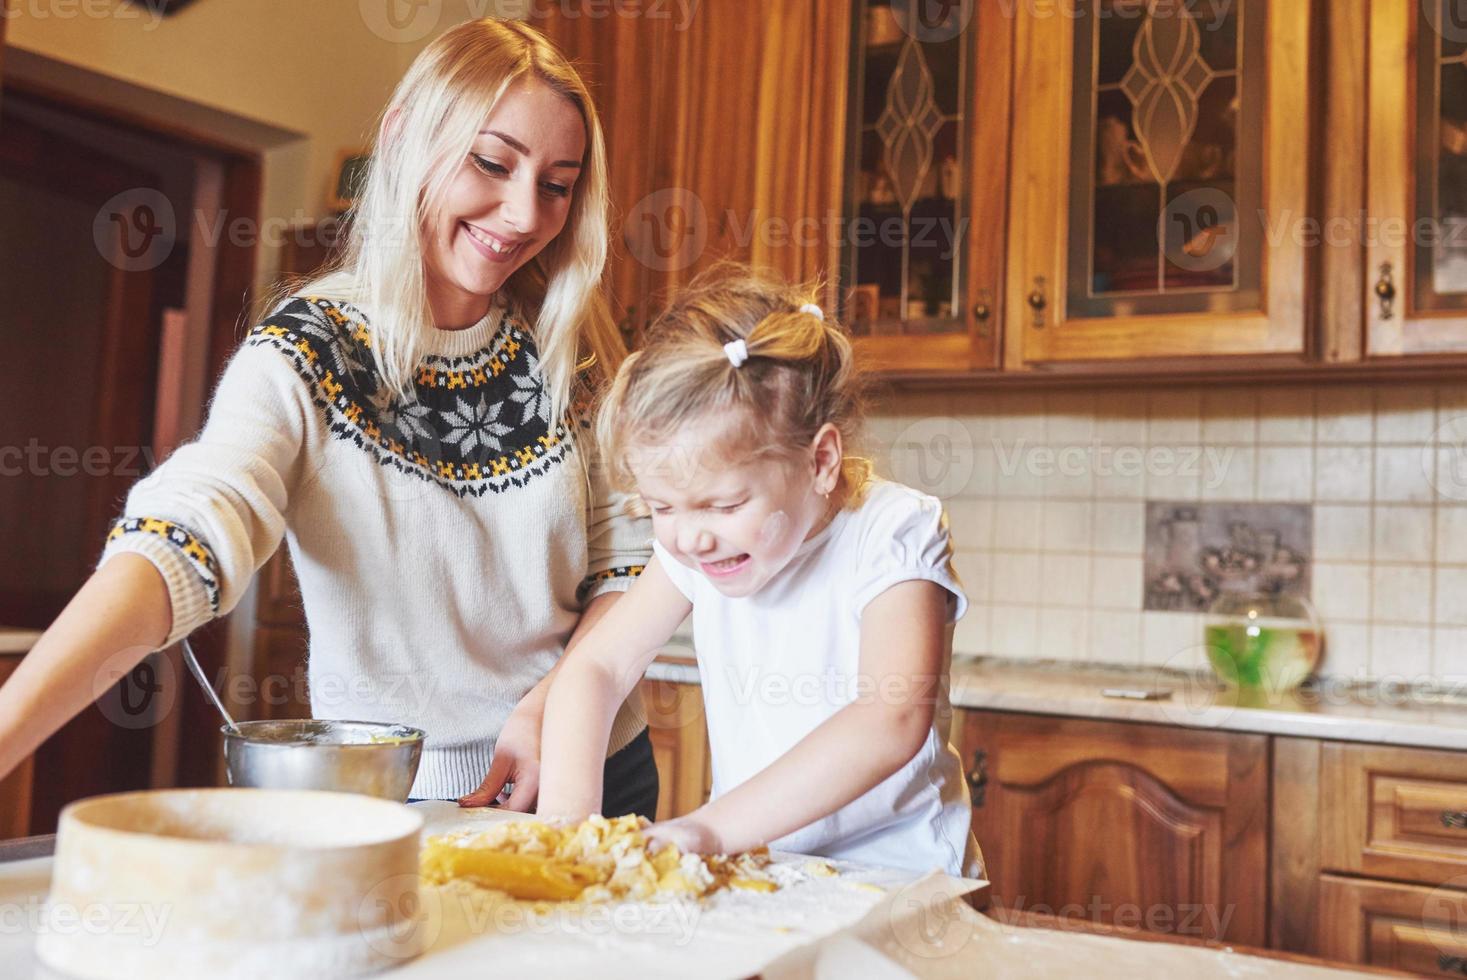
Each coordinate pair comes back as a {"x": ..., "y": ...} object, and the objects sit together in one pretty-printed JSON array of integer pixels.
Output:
[
  {"x": 906, "y": 154},
  {"x": 1440, "y": 242},
  {"x": 1166, "y": 157}
]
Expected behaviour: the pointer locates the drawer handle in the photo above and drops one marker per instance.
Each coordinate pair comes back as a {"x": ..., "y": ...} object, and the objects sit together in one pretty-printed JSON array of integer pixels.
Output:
[
  {"x": 978, "y": 777},
  {"x": 1452, "y": 964},
  {"x": 1454, "y": 819}
]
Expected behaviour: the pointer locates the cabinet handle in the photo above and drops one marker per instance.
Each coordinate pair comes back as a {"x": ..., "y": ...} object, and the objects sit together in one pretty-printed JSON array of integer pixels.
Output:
[
  {"x": 978, "y": 777},
  {"x": 1454, "y": 819},
  {"x": 1037, "y": 302},
  {"x": 1448, "y": 963},
  {"x": 983, "y": 312},
  {"x": 1385, "y": 291}
]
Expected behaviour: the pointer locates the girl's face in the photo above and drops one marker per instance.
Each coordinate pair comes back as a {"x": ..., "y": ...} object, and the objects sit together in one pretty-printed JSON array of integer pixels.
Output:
[
  {"x": 510, "y": 196},
  {"x": 738, "y": 523}
]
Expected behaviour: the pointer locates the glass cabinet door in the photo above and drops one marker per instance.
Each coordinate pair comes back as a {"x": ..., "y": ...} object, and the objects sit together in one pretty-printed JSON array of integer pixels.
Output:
[
  {"x": 1416, "y": 287},
  {"x": 1160, "y": 156},
  {"x": 926, "y": 147}
]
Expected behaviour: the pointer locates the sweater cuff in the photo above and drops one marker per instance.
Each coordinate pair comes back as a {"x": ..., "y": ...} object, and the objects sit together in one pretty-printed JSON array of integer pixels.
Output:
[
  {"x": 617, "y": 579},
  {"x": 186, "y": 564}
]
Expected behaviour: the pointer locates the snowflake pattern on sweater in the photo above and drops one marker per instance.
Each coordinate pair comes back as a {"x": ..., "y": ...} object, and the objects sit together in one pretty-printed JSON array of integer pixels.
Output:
[{"x": 477, "y": 424}]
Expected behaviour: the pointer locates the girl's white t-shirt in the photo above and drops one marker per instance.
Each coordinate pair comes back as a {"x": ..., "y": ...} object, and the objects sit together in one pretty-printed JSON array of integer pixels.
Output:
[{"x": 777, "y": 664}]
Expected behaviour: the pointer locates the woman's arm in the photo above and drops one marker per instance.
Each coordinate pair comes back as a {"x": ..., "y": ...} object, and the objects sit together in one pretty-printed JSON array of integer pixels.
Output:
[
  {"x": 903, "y": 645},
  {"x": 592, "y": 681},
  {"x": 117, "y": 618}
]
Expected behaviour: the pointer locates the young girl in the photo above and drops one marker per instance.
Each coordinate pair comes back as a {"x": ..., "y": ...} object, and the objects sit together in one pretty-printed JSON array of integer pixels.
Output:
[{"x": 822, "y": 598}]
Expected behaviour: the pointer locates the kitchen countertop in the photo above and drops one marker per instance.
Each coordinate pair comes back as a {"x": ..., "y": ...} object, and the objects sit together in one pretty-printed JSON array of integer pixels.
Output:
[
  {"x": 1327, "y": 709},
  {"x": 17, "y": 642}
]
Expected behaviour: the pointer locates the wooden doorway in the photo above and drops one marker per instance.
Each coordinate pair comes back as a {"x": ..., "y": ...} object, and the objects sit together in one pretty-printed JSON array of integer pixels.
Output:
[{"x": 106, "y": 237}]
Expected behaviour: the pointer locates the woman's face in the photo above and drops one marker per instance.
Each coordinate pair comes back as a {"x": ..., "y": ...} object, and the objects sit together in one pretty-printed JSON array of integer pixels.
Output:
[{"x": 509, "y": 197}]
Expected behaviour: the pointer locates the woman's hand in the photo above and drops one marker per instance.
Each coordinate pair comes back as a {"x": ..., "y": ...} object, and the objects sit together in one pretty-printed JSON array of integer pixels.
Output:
[
  {"x": 689, "y": 834},
  {"x": 516, "y": 760}
]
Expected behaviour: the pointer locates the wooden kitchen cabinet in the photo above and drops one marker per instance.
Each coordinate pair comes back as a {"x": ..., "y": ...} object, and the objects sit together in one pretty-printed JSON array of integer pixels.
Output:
[
  {"x": 926, "y": 186},
  {"x": 1164, "y": 829},
  {"x": 1394, "y": 813},
  {"x": 1370, "y": 854},
  {"x": 680, "y": 744},
  {"x": 1402, "y": 927},
  {"x": 1160, "y": 164},
  {"x": 1415, "y": 289}
]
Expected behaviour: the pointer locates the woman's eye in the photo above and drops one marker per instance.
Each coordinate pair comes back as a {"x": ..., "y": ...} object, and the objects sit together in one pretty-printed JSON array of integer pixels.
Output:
[
  {"x": 488, "y": 166},
  {"x": 728, "y": 508},
  {"x": 662, "y": 511},
  {"x": 556, "y": 190}
]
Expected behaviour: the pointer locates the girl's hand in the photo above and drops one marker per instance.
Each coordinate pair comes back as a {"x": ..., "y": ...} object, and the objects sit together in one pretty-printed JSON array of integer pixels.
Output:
[
  {"x": 688, "y": 834},
  {"x": 516, "y": 760}
]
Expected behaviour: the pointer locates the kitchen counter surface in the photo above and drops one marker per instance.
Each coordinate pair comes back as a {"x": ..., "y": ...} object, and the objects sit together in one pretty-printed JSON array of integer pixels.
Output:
[
  {"x": 17, "y": 642},
  {"x": 1327, "y": 709}
]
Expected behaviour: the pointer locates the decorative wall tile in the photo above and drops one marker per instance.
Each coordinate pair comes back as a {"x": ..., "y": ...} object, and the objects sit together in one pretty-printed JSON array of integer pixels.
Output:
[{"x": 1194, "y": 551}]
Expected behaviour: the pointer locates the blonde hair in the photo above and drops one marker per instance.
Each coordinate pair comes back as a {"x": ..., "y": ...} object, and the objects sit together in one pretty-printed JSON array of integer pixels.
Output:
[
  {"x": 800, "y": 375},
  {"x": 435, "y": 114}
]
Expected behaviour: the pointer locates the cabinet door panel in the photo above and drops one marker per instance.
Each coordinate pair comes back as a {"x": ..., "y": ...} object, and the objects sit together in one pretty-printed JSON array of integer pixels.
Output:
[
  {"x": 1133, "y": 825},
  {"x": 1416, "y": 283},
  {"x": 1397, "y": 813},
  {"x": 1403, "y": 927},
  {"x": 1160, "y": 163}
]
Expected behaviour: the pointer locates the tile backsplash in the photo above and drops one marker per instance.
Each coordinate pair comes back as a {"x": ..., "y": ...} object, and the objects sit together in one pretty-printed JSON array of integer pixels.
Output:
[{"x": 1047, "y": 495}]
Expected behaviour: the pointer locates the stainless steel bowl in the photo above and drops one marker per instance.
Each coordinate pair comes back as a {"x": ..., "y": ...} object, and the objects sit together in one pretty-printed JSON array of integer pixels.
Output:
[{"x": 367, "y": 757}]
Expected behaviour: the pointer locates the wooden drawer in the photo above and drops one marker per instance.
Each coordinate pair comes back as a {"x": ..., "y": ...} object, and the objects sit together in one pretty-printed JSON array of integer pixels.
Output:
[
  {"x": 1404, "y": 927},
  {"x": 1394, "y": 813}
]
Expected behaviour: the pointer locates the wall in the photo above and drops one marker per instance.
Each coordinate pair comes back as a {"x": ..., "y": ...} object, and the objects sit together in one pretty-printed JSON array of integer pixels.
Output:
[
  {"x": 321, "y": 69},
  {"x": 1052, "y": 555}
]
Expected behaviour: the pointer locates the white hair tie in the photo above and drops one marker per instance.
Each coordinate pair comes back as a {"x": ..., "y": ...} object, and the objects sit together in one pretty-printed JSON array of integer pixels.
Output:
[
  {"x": 814, "y": 311},
  {"x": 737, "y": 352}
]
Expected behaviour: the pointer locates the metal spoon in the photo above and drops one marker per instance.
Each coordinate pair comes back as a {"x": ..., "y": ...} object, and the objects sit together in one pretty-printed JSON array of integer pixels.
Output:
[{"x": 198, "y": 672}]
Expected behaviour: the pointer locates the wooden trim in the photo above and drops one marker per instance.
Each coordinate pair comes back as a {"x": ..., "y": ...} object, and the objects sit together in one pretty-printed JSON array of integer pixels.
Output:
[
  {"x": 991, "y": 132},
  {"x": 1294, "y": 847},
  {"x": 1343, "y": 130}
]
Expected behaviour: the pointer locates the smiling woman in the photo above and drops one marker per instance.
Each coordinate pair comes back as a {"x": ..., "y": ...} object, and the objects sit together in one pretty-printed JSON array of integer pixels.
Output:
[{"x": 407, "y": 422}]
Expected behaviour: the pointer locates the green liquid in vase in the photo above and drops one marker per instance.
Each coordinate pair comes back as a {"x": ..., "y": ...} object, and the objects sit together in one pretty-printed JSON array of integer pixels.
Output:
[{"x": 1274, "y": 655}]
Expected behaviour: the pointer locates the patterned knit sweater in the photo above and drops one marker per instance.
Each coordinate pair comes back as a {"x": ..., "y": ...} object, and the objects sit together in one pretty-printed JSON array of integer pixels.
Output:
[{"x": 444, "y": 548}]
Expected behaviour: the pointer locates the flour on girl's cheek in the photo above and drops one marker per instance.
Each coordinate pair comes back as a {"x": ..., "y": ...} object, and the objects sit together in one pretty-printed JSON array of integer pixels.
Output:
[{"x": 774, "y": 529}]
